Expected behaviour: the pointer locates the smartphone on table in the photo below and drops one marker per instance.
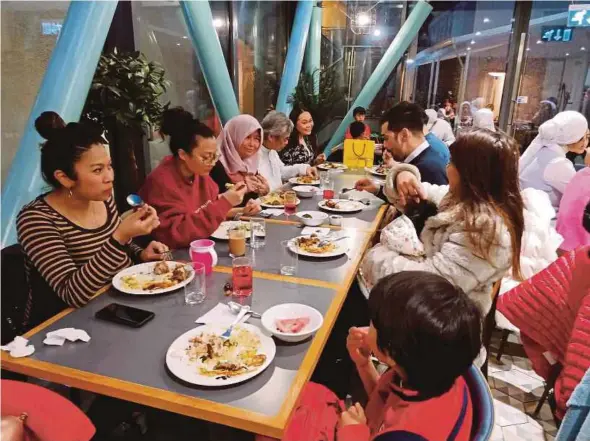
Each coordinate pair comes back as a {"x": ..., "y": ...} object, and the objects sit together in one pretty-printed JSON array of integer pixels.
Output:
[{"x": 125, "y": 315}]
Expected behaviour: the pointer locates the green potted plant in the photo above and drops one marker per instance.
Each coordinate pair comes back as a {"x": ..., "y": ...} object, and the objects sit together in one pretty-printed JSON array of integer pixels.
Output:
[{"x": 125, "y": 99}]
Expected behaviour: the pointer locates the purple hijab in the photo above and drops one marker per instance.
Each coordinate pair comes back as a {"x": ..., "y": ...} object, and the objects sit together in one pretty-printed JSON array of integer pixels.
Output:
[{"x": 231, "y": 137}]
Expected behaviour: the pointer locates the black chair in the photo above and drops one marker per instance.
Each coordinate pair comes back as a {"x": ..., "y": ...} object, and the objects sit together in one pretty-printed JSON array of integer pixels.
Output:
[{"x": 14, "y": 292}]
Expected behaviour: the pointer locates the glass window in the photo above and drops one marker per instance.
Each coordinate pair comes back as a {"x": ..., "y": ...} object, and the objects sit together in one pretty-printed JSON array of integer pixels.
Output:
[
  {"x": 29, "y": 33},
  {"x": 556, "y": 75}
]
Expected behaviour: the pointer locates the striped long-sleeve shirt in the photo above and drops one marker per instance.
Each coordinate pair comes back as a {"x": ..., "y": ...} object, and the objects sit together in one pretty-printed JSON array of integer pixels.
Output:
[{"x": 75, "y": 262}]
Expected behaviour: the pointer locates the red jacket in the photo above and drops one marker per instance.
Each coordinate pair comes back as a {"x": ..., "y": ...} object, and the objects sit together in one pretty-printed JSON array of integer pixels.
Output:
[
  {"x": 552, "y": 311},
  {"x": 392, "y": 409},
  {"x": 187, "y": 211}
]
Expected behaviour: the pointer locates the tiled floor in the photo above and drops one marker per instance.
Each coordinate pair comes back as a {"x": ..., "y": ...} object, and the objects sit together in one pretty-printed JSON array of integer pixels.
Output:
[{"x": 516, "y": 390}]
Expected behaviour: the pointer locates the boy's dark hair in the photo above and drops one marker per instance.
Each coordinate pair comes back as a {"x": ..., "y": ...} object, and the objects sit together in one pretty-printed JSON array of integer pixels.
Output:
[
  {"x": 357, "y": 128},
  {"x": 427, "y": 326},
  {"x": 359, "y": 111},
  {"x": 420, "y": 212},
  {"x": 405, "y": 115}
]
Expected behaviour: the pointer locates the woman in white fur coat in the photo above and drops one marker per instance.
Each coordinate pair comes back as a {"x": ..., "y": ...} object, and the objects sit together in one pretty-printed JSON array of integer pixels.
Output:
[{"x": 476, "y": 236}]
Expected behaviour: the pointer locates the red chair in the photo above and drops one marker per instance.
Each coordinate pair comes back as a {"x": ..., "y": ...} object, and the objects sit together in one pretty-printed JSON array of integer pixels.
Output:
[{"x": 47, "y": 416}]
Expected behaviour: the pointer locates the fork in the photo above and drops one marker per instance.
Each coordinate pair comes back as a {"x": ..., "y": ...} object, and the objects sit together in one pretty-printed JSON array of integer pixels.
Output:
[
  {"x": 325, "y": 242},
  {"x": 167, "y": 255},
  {"x": 245, "y": 309}
]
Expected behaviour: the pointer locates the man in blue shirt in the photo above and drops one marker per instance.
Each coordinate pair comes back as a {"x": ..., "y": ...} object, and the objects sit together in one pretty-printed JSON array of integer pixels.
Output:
[{"x": 403, "y": 130}]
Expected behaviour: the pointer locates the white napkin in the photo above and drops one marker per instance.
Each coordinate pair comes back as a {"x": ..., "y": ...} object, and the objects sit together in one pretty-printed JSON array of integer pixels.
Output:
[
  {"x": 220, "y": 314},
  {"x": 308, "y": 231},
  {"x": 273, "y": 211},
  {"x": 59, "y": 336},
  {"x": 19, "y": 347}
]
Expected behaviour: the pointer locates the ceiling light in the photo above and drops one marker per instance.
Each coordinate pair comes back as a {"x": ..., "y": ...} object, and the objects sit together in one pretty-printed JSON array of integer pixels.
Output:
[
  {"x": 184, "y": 37},
  {"x": 409, "y": 61},
  {"x": 177, "y": 44},
  {"x": 377, "y": 32},
  {"x": 539, "y": 42},
  {"x": 363, "y": 19},
  {"x": 486, "y": 20},
  {"x": 468, "y": 48},
  {"x": 528, "y": 49},
  {"x": 472, "y": 42},
  {"x": 582, "y": 48},
  {"x": 567, "y": 54},
  {"x": 496, "y": 74},
  {"x": 217, "y": 22},
  {"x": 478, "y": 33},
  {"x": 399, "y": 6}
]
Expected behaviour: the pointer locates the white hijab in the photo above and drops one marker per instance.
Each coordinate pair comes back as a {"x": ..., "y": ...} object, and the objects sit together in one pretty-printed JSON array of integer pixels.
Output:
[
  {"x": 564, "y": 128},
  {"x": 432, "y": 117},
  {"x": 484, "y": 119}
]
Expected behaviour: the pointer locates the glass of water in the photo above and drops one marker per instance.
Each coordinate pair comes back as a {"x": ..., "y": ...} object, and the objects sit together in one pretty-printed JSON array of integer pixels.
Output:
[
  {"x": 289, "y": 260},
  {"x": 257, "y": 233},
  {"x": 195, "y": 290}
]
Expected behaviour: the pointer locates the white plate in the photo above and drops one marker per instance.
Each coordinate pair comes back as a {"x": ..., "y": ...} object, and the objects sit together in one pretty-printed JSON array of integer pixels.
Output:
[
  {"x": 222, "y": 232},
  {"x": 262, "y": 204},
  {"x": 147, "y": 269},
  {"x": 373, "y": 171},
  {"x": 345, "y": 206},
  {"x": 341, "y": 248},
  {"x": 295, "y": 181},
  {"x": 180, "y": 365},
  {"x": 339, "y": 166}
]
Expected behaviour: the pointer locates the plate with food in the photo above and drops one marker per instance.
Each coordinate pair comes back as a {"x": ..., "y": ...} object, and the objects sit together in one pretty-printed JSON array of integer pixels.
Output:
[
  {"x": 341, "y": 205},
  {"x": 316, "y": 246},
  {"x": 378, "y": 170},
  {"x": 153, "y": 278},
  {"x": 222, "y": 232},
  {"x": 332, "y": 166},
  {"x": 275, "y": 199},
  {"x": 304, "y": 180},
  {"x": 202, "y": 357}
]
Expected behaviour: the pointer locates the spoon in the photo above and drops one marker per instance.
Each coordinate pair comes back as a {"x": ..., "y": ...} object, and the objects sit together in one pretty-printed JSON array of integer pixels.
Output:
[
  {"x": 135, "y": 201},
  {"x": 236, "y": 308},
  {"x": 243, "y": 311}
]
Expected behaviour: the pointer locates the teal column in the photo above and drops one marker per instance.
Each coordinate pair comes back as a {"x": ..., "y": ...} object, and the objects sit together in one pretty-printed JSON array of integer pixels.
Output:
[
  {"x": 295, "y": 52},
  {"x": 64, "y": 90},
  {"x": 313, "y": 48},
  {"x": 398, "y": 46},
  {"x": 199, "y": 22}
]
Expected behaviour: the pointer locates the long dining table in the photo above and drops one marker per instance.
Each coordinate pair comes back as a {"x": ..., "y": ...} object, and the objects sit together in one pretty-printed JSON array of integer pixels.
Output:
[{"x": 129, "y": 363}]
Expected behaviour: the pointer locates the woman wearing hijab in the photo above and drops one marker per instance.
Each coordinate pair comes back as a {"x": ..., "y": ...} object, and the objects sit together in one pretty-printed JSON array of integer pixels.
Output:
[
  {"x": 466, "y": 114},
  {"x": 484, "y": 119},
  {"x": 544, "y": 164},
  {"x": 439, "y": 127},
  {"x": 547, "y": 110},
  {"x": 238, "y": 145}
]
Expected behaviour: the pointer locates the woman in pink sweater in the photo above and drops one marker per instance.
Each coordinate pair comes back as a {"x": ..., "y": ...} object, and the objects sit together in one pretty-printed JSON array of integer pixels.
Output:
[{"x": 186, "y": 198}]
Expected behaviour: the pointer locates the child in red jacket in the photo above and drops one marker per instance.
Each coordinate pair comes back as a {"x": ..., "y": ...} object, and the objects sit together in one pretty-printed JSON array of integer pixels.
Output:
[{"x": 427, "y": 332}]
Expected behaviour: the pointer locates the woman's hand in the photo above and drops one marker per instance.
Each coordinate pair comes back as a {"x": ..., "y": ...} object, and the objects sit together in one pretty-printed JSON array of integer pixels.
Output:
[
  {"x": 263, "y": 187},
  {"x": 354, "y": 415},
  {"x": 367, "y": 185},
  {"x": 320, "y": 159},
  {"x": 409, "y": 188},
  {"x": 139, "y": 223},
  {"x": 252, "y": 208},
  {"x": 154, "y": 251},
  {"x": 313, "y": 172},
  {"x": 235, "y": 195},
  {"x": 357, "y": 346}
]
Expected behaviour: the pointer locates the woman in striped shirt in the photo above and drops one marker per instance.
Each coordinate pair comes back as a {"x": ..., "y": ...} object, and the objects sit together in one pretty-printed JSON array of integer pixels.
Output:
[{"x": 73, "y": 238}]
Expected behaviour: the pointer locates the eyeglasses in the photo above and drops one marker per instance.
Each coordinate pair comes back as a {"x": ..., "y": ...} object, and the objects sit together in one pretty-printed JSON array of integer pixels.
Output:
[{"x": 209, "y": 159}]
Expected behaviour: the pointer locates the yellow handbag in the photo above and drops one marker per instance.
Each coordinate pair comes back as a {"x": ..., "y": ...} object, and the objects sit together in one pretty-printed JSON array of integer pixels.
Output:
[{"x": 359, "y": 153}]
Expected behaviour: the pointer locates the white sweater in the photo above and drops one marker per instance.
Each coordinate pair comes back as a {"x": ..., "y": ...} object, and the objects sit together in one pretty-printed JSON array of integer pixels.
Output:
[{"x": 275, "y": 171}]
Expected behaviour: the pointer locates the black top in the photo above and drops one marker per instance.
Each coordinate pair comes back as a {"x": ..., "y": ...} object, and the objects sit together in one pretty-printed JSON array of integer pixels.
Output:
[
  {"x": 297, "y": 154},
  {"x": 219, "y": 175}
]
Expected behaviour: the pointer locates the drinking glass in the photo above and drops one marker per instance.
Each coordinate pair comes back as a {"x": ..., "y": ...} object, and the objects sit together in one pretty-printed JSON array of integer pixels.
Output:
[
  {"x": 242, "y": 277},
  {"x": 195, "y": 290},
  {"x": 237, "y": 242},
  {"x": 327, "y": 184},
  {"x": 289, "y": 260},
  {"x": 257, "y": 233},
  {"x": 290, "y": 198}
]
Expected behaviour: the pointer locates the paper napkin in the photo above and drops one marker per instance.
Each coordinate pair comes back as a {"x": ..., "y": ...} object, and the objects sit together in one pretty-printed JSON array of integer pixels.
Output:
[
  {"x": 19, "y": 347},
  {"x": 220, "y": 314},
  {"x": 59, "y": 336},
  {"x": 273, "y": 211}
]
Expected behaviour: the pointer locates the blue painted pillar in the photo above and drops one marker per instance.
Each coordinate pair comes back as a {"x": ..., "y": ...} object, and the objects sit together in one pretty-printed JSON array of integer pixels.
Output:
[
  {"x": 199, "y": 21},
  {"x": 295, "y": 53},
  {"x": 64, "y": 90},
  {"x": 398, "y": 46},
  {"x": 313, "y": 48}
]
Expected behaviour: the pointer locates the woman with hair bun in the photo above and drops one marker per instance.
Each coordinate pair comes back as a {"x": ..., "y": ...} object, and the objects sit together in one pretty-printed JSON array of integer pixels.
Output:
[
  {"x": 180, "y": 188},
  {"x": 72, "y": 237}
]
